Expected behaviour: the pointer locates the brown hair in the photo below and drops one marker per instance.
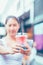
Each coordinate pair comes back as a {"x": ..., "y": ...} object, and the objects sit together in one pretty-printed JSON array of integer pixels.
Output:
[{"x": 13, "y": 17}]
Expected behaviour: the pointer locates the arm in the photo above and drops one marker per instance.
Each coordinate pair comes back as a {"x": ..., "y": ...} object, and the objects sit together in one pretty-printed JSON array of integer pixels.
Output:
[
  {"x": 26, "y": 51},
  {"x": 6, "y": 50},
  {"x": 26, "y": 54},
  {"x": 3, "y": 50}
]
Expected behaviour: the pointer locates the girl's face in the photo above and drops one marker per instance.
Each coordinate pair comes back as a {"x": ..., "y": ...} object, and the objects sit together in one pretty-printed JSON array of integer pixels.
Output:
[{"x": 12, "y": 27}]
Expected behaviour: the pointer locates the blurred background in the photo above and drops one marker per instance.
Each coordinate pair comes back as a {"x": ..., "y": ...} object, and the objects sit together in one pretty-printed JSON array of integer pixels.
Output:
[{"x": 30, "y": 14}]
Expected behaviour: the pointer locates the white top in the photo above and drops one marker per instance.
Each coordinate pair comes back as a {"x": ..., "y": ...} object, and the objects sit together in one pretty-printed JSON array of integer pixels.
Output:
[{"x": 11, "y": 59}]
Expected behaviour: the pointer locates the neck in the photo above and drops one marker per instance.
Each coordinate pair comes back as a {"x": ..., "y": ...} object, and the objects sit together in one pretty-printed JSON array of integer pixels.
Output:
[{"x": 11, "y": 37}]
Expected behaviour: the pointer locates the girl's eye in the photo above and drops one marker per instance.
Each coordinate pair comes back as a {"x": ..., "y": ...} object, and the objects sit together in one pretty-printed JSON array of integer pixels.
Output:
[
  {"x": 9, "y": 25},
  {"x": 14, "y": 24}
]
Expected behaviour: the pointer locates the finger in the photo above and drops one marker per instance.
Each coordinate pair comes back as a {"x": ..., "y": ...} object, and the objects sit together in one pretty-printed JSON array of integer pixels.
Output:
[
  {"x": 28, "y": 50},
  {"x": 15, "y": 50},
  {"x": 18, "y": 45}
]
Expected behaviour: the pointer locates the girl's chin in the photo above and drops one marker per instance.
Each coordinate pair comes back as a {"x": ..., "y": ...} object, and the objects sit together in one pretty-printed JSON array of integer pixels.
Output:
[{"x": 12, "y": 35}]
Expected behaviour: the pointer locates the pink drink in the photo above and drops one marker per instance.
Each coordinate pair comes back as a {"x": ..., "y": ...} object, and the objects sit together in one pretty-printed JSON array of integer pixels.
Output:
[{"x": 21, "y": 38}]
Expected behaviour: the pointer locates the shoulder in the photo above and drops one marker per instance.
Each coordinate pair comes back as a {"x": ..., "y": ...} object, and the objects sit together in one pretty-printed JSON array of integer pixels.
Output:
[
  {"x": 2, "y": 41},
  {"x": 4, "y": 38}
]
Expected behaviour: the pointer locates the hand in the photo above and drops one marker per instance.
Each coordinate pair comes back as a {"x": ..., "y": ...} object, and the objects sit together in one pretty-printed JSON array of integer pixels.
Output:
[
  {"x": 24, "y": 49},
  {"x": 4, "y": 50},
  {"x": 16, "y": 48},
  {"x": 26, "y": 52}
]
